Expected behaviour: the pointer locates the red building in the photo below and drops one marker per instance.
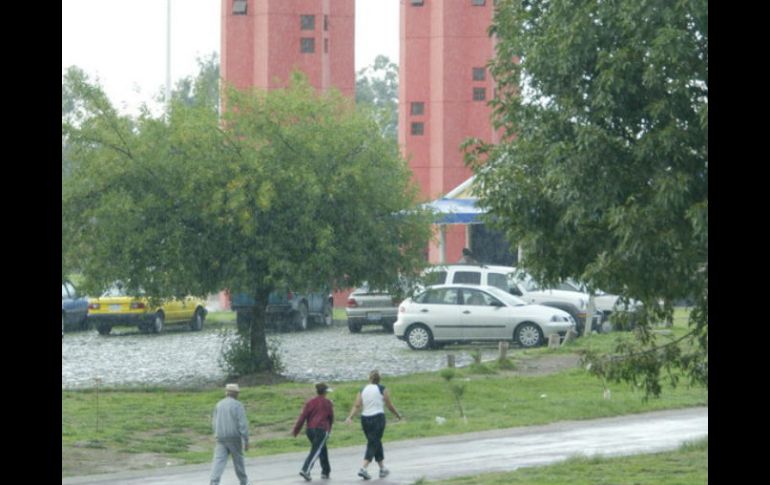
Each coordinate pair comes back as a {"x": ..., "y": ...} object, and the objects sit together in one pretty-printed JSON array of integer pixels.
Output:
[
  {"x": 263, "y": 41},
  {"x": 444, "y": 86},
  {"x": 444, "y": 90}
]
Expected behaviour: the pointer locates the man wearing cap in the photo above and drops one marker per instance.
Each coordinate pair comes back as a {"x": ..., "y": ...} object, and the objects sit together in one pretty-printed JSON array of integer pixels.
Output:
[
  {"x": 231, "y": 429},
  {"x": 319, "y": 414}
]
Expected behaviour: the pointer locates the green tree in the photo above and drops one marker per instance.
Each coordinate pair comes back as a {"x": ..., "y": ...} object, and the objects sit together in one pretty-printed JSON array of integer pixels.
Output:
[
  {"x": 291, "y": 188},
  {"x": 377, "y": 87},
  {"x": 203, "y": 88},
  {"x": 603, "y": 172}
]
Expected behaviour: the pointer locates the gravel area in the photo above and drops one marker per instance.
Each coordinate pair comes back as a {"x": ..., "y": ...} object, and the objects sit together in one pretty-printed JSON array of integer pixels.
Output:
[{"x": 181, "y": 358}]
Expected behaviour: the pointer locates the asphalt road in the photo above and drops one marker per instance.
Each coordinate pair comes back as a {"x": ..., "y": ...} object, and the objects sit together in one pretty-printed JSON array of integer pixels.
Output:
[{"x": 456, "y": 455}]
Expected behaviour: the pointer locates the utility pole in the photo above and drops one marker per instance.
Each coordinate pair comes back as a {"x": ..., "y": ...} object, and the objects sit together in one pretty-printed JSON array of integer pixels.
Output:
[{"x": 168, "y": 53}]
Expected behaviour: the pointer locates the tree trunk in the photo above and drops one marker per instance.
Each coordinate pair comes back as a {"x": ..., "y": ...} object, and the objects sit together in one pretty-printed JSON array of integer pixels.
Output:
[{"x": 258, "y": 338}]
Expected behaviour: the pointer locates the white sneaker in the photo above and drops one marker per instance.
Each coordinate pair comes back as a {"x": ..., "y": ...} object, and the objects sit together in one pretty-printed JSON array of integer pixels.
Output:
[{"x": 364, "y": 474}]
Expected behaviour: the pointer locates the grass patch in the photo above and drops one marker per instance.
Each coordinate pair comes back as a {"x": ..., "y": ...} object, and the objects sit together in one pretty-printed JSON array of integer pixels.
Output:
[
  {"x": 686, "y": 466},
  {"x": 177, "y": 423}
]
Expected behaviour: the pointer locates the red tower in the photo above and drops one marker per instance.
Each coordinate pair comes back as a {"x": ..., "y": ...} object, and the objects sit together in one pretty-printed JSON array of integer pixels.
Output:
[
  {"x": 263, "y": 41},
  {"x": 444, "y": 88}
]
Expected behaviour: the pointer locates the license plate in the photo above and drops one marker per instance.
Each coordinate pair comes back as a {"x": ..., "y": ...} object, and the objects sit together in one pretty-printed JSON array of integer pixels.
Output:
[
  {"x": 114, "y": 308},
  {"x": 373, "y": 316}
]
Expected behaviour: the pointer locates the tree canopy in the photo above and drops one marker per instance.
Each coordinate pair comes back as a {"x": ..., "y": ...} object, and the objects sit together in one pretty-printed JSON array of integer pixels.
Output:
[
  {"x": 603, "y": 172},
  {"x": 290, "y": 188},
  {"x": 377, "y": 87}
]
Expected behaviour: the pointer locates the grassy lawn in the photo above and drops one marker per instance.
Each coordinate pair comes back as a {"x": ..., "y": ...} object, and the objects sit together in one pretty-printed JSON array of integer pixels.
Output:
[
  {"x": 686, "y": 466},
  {"x": 176, "y": 424}
]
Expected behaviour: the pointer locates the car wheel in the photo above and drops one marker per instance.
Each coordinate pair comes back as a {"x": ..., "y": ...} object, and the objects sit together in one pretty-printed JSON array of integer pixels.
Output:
[
  {"x": 157, "y": 323},
  {"x": 419, "y": 337},
  {"x": 104, "y": 328},
  {"x": 300, "y": 318},
  {"x": 528, "y": 335},
  {"x": 197, "y": 322},
  {"x": 328, "y": 318},
  {"x": 353, "y": 326},
  {"x": 85, "y": 324},
  {"x": 387, "y": 327}
]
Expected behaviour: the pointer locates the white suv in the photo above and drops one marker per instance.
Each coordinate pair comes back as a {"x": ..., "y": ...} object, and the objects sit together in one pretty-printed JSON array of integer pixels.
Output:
[{"x": 580, "y": 305}]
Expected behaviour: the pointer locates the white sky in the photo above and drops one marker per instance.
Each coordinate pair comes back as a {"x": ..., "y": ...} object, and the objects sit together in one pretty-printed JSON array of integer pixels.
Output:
[{"x": 123, "y": 42}]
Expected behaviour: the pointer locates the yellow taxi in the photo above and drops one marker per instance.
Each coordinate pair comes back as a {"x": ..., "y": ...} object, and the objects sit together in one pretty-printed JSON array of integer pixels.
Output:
[{"x": 117, "y": 308}]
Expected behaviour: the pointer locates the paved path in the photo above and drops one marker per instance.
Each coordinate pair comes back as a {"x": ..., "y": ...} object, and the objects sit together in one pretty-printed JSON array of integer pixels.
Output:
[{"x": 456, "y": 455}]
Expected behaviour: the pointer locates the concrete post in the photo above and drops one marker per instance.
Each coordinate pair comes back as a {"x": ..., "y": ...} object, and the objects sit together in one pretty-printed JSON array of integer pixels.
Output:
[
  {"x": 554, "y": 341},
  {"x": 503, "y": 348}
]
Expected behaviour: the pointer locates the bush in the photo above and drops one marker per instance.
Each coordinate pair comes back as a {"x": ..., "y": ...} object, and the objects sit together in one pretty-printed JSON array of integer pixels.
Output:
[{"x": 235, "y": 357}]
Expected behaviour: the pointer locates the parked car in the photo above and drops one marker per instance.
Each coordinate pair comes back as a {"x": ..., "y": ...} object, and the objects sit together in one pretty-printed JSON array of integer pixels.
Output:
[
  {"x": 74, "y": 308},
  {"x": 518, "y": 283},
  {"x": 606, "y": 303},
  {"x": 464, "y": 313},
  {"x": 116, "y": 308},
  {"x": 288, "y": 310},
  {"x": 367, "y": 306}
]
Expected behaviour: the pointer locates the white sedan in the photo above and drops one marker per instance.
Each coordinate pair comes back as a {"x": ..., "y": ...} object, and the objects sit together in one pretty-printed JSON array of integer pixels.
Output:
[{"x": 457, "y": 313}]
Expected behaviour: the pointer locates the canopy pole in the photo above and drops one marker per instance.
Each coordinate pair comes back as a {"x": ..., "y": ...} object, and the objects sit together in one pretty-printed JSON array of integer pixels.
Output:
[{"x": 442, "y": 243}]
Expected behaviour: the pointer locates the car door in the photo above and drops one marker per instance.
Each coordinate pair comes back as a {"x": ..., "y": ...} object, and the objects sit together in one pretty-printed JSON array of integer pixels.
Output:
[
  {"x": 74, "y": 312},
  {"x": 174, "y": 309},
  {"x": 484, "y": 317},
  {"x": 439, "y": 309}
]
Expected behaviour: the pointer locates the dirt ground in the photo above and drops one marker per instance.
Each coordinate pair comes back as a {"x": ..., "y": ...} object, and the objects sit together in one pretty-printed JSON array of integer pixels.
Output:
[{"x": 87, "y": 459}]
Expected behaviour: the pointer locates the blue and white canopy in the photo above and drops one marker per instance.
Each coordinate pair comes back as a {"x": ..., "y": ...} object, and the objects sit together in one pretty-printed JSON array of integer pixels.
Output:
[
  {"x": 457, "y": 206},
  {"x": 456, "y": 211}
]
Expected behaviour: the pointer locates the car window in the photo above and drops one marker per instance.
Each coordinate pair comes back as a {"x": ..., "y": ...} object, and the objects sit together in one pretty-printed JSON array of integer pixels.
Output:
[
  {"x": 524, "y": 280},
  {"x": 467, "y": 277},
  {"x": 439, "y": 296},
  {"x": 476, "y": 298},
  {"x": 498, "y": 280}
]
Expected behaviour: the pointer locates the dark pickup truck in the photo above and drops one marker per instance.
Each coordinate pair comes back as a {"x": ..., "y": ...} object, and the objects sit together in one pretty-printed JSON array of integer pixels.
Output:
[{"x": 288, "y": 310}]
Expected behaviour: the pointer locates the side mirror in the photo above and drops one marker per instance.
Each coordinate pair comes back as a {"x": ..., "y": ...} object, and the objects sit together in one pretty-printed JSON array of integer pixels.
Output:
[
  {"x": 514, "y": 290},
  {"x": 497, "y": 303}
]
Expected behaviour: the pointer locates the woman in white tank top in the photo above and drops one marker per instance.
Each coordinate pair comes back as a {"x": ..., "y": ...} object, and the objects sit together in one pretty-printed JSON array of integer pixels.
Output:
[{"x": 372, "y": 401}]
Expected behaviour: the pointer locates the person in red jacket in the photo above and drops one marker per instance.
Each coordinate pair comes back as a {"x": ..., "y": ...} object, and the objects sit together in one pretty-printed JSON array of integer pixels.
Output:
[{"x": 319, "y": 414}]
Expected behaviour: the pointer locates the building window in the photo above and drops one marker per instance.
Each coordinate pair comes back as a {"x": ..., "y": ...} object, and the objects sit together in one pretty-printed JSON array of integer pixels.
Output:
[
  {"x": 479, "y": 3},
  {"x": 479, "y": 74},
  {"x": 326, "y": 22},
  {"x": 417, "y": 3},
  {"x": 326, "y": 46},
  {"x": 479, "y": 94},
  {"x": 418, "y": 128},
  {"x": 307, "y": 22},
  {"x": 239, "y": 7},
  {"x": 307, "y": 45},
  {"x": 417, "y": 108}
]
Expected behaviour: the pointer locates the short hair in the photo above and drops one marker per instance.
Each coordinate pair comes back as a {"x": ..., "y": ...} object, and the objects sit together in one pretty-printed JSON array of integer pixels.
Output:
[
  {"x": 374, "y": 376},
  {"x": 321, "y": 388}
]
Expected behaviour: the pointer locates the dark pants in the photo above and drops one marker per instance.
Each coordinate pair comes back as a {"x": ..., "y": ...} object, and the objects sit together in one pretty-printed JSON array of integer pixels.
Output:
[
  {"x": 374, "y": 428},
  {"x": 317, "y": 437}
]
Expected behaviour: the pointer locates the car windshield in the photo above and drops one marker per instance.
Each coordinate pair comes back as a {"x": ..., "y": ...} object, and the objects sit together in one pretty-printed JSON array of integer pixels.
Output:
[
  {"x": 505, "y": 297},
  {"x": 525, "y": 280}
]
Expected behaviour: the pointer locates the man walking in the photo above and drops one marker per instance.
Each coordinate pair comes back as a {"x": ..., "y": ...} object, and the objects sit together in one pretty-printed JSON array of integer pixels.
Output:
[
  {"x": 319, "y": 414},
  {"x": 231, "y": 429}
]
